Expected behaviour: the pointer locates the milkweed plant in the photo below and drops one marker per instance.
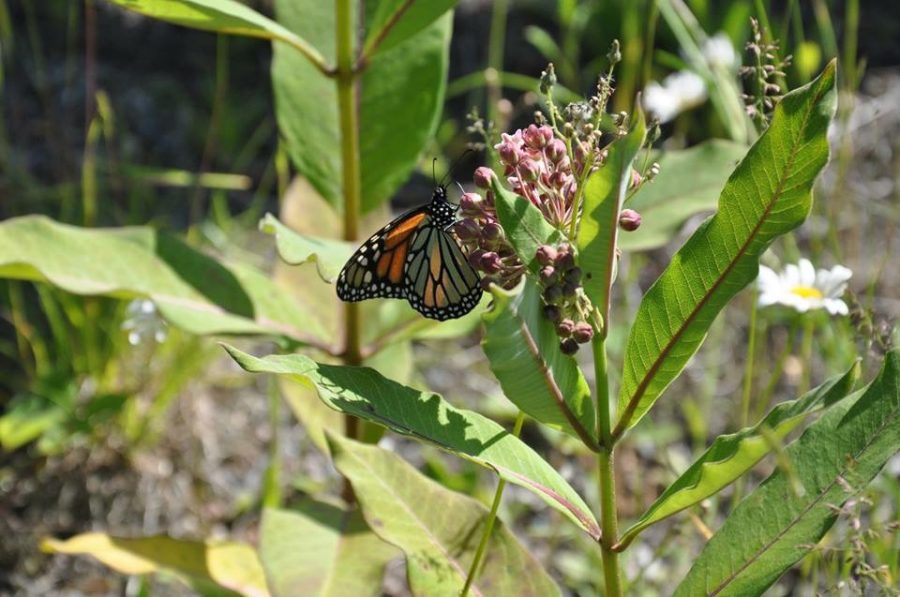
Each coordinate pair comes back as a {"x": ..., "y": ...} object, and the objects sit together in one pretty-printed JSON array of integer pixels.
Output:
[{"x": 546, "y": 232}]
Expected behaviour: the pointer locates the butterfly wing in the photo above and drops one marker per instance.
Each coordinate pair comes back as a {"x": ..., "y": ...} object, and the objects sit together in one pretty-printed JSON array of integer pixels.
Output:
[
  {"x": 376, "y": 269},
  {"x": 440, "y": 283}
]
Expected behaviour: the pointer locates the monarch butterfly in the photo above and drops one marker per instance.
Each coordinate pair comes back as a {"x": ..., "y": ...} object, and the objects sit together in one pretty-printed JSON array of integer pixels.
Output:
[{"x": 415, "y": 257}]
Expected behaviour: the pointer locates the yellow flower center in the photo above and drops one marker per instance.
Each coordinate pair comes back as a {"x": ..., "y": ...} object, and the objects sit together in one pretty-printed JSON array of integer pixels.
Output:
[{"x": 807, "y": 292}]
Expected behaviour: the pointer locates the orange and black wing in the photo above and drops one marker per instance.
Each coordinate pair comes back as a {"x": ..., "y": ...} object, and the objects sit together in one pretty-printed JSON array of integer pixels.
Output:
[
  {"x": 440, "y": 283},
  {"x": 377, "y": 269}
]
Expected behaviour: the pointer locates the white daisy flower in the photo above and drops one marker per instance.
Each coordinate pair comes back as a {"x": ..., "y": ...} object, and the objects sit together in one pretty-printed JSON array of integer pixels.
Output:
[
  {"x": 142, "y": 321},
  {"x": 677, "y": 93},
  {"x": 719, "y": 52},
  {"x": 802, "y": 288}
]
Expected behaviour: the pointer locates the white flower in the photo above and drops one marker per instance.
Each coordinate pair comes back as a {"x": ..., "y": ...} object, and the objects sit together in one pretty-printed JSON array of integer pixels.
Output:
[
  {"x": 678, "y": 92},
  {"x": 142, "y": 321},
  {"x": 802, "y": 288},
  {"x": 719, "y": 52}
]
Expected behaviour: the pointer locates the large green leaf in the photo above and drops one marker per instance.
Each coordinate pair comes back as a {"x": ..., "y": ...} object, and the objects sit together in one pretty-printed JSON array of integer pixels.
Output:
[
  {"x": 294, "y": 248},
  {"x": 604, "y": 193},
  {"x": 768, "y": 195},
  {"x": 787, "y": 515},
  {"x": 228, "y": 564},
  {"x": 688, "y": 183},
  {"x": 365, "y": 393},
  {"x": 730, "y": 456},
  {"x": 400, "y": 102},
  {"x": 522, "y": 347},
  {"x": 222, "y": 16},
  {"x": 191, "y": 290},
  {"x": 438, "y": 529},
  {"x": 523, "y": 224},
  {"x": 321, "y": 549},
  {"x": 395, "y": 21}
]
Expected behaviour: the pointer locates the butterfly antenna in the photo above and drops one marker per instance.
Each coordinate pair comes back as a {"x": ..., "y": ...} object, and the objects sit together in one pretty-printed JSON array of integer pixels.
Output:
[
  {"x": 433, "y": 177},
  {"x": 453, "y": 167}
]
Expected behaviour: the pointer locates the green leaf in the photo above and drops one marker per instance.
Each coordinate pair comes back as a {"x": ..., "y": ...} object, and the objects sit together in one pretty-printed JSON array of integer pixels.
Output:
[
  {"x": 523, "y": 224},
  {"x": 688, "y": 183},
  {"x": 400, "y": 103},
  {"x": 191, "y": 290},
  {"x": 730, "y": 456},
  {"x": 604, "y": 193},
  {"x": 27, "y": 418},
  {"x": 438, "y": 529},
  {"x": 780, "y": 522},
  {"x": 768, "y": 195},
  {"x": 295, "y": 249},
  {"x": 227, "y": 564},
  {"x": 222, "y": 16},
  {"x": 321, "y": 549},
  {"x": 522, "y": 347},
  {"x": 365, "y": 393},
  {"x": 395, "y": 21}
]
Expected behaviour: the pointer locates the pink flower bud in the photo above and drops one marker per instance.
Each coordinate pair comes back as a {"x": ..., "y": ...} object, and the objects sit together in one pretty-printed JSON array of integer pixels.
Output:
[
  {"x": 548, "y": 275},
  {"x": 470, "y": 203},
  {"x": 491, "y": 233},
  {"x": 546, "y": 255},
  {"x": 482, "y": 177},
  {"x": 529, "y": 170},
  {"x": 635, "y": 178},
  {"x": 509, "y": 153},
  {"x": 475, "y": 258},
  {"x": 555, "y": 151},
  {"x": 490, "y": 263},
  {"x": 565, "y": 328},
  {"x": 629, "y": 220},
  {"x": 535, "y": 138},
  {"x": 467, "y": 230},
  {"x": 583, "y": 332}
]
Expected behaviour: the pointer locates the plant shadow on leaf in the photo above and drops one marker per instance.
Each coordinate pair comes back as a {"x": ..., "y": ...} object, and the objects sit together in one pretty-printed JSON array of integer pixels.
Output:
[{"x": 205, "y": 275}]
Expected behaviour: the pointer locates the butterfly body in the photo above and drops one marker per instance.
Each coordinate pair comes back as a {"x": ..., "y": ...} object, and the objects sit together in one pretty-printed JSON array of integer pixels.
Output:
[{"x": 415, "y": 258}]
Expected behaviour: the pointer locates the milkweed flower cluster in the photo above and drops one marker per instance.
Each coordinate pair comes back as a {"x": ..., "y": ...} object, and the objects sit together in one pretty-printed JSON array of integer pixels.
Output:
[
  {"x": 803, "y": 289},
  {"x": 482, "y": 237}
]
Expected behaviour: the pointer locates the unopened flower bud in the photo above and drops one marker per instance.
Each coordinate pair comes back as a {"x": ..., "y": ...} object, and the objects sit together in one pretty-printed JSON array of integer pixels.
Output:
[
  {"x": 565, "y": 261},
  {"x": 568, "y": 346},
  {"x": 583, "y": 332},
  {"x": 629, "y": 220},
  {"x": 635, "y": 179},
  {"x": 548, "y": 79},
  {"x": 529, "y": 170},
  {"x": 569, "y": 288},
  {"x": 490, "y": 263},
  {"x": 548, "y": 275},
  {"x": 615, "y": 53},
  {"x": 475, "y": 258},
  {"x": 573, "y": 275},
  {"x": 470, "y": 203},
  {"x": 467, "y": 230},
  {"x": 556, "y": 150},
  {"x": 491, "y": 233},
  {"x": 509, "y": 153},
  {"x": 545, "y": 255},
  {"x": 553, "y": 294},
  {"x": 482, "y": 177},
  {"x": 533, "y": 137},
  {"x": 565, "y": 328},
  {"x": 552, "y": 312}
]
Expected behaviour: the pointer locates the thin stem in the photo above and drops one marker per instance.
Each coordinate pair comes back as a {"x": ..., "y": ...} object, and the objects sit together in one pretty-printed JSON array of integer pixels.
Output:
[
  {"x": 489, "y": 523},
  {"x": 806, "y": 353},
  {"x": 609, "y": 523},
  {"x": 496, "y": 47},
  {"x": 748, "y": 370},
  {"x": 350, "y": 171}
]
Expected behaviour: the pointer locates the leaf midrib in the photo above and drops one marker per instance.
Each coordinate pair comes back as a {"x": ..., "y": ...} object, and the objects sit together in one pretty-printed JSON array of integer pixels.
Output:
[
  {"x": 840, "y": 475},
  {"x": 634, "y": 401},
  {"x": 389, "y": 489}
]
